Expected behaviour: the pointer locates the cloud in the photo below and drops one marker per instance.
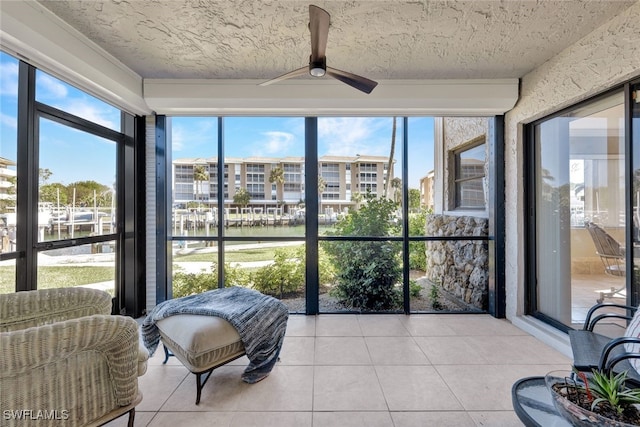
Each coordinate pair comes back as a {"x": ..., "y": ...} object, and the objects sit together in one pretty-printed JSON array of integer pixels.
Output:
[
  {"x": 8, "y": 121},
  {"x": 192, "y": 133},
  {"x": 9, "y": 79},
  {"x": 56, "y": 93},
  {"x": 92, "y": 111},
  {"x": 277, "y": 142},
  {"x": 348, "y": 136},
  {"x": 50, "y": 88}
]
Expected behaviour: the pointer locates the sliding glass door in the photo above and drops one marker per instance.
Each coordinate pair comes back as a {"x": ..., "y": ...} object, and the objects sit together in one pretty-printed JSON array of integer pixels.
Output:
[
  {"x": 635, "y": 196},
  {"x": 580, "y": 223}
]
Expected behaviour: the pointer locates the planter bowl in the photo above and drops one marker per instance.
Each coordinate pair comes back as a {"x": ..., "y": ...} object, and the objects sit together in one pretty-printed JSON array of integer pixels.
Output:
[{"x": 575, "y": 414}]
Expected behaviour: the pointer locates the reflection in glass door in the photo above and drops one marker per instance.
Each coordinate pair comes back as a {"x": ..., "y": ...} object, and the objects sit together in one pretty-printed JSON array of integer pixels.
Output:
[
  {"x": 635, "y": 144},
  {"x": 580, "y": 210}
]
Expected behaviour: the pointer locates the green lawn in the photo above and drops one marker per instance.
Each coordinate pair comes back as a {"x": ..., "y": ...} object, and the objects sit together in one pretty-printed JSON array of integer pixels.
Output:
[
  {"x": 246, "y": 255},
  {"x": 74, "y": 275},
  {"x": 59, "y": 276}
]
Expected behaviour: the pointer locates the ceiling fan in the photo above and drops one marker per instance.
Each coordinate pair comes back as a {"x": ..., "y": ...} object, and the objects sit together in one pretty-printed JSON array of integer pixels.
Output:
[{"x": 319, "y": 27}]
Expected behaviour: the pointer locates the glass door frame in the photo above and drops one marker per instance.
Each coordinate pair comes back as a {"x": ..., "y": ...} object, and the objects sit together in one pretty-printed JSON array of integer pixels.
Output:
[
  {"x": 530, "y": 207},
  {"x": 632, "y": 115}
]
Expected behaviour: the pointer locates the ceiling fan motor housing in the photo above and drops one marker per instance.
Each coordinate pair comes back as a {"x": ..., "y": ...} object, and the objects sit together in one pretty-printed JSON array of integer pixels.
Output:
[{"x": 318, "y": 68}]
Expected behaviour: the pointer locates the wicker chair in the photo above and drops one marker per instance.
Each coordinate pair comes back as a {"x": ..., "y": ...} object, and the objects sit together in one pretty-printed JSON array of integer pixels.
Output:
[{"x": 65, "y": 361}]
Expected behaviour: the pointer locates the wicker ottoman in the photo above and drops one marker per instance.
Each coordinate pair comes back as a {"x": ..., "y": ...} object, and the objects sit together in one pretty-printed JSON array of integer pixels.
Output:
[{"x": 201, "y": 343}]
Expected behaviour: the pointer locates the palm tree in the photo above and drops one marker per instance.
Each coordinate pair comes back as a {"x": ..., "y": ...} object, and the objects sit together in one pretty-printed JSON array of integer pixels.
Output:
[
  {"x": 322, "y": 184},
  {"x": 391, "y": 153},
  {"x": 199, "y": 174},
  {"x": 277, "y": 175},
  {"x": 242, "y": 197},
  {"x": 396, "y": 184}
]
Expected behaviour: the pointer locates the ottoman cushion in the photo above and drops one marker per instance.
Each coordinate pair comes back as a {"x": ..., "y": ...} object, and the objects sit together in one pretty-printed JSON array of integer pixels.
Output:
[{"x": 200, "y": 342}]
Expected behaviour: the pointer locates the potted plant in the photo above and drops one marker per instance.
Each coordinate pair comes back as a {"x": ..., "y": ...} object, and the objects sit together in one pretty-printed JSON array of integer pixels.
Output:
[{"x": 601, "y": 398}]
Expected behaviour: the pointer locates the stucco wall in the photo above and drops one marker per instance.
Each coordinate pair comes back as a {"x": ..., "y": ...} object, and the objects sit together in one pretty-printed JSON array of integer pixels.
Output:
[
  {"x": 456, "y": 133},
  {"x": 607, "y": 57}
]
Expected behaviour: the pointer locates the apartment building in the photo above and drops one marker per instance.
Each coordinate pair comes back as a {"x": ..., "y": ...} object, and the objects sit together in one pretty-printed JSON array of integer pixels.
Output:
[
  {"x": 426, "y": 190},
  {"x": 340, "y": 178},
  {"x": 7, "y": 179}
]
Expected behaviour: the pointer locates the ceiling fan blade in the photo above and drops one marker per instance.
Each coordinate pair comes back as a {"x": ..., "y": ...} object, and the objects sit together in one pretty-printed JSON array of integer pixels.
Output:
[
  {"x": 353, "y": 80},
  {"x": 289, "y": 75},
  {"x": 319, "y": 27},
  {"x": 319, "y": 21}
]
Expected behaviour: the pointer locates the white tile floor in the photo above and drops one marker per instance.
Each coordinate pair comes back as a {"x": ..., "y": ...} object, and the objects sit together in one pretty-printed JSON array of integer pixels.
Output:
[
  {"x": 361, "y": 370},
  {"x": 585, "y": 291}
]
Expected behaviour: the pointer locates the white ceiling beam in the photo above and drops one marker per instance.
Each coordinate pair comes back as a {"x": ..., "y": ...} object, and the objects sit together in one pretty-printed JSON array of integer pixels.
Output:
[{"x": 325, "y": 97}]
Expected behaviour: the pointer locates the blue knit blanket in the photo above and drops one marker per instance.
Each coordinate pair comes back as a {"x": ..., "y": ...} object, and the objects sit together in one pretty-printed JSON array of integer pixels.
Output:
[{"x": 261, "y": 322}]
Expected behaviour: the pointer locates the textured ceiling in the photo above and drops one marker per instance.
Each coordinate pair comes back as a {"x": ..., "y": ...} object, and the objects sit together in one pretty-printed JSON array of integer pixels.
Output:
[{"x": 428, "y": 39}]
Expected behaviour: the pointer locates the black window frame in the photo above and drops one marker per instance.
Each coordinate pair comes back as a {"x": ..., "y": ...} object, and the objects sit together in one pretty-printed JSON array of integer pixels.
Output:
[
  {"x": 312, "y": 167},
  {"x": 130, "y": 287}
]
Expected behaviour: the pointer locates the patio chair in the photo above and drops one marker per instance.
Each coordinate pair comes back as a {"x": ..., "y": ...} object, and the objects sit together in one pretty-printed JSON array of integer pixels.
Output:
[
  {"x": 612, "y": 256},
  {"x": 592, "y": 350},
  {"x": 62, "y": 351}
]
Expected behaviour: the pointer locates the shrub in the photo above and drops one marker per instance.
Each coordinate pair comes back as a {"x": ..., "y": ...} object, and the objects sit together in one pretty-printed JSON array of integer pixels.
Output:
[
  {"x": 434, "y": 296},
  {"x": 326, "y": 269},
  {"x": 235, "y": 276},
  {"x": 417, "y": 250},
  {"x": 367, "y": 271},
  {"x": 195, "y": 283},
  {"x": 414, "y": 288},
  {"x": 285, "y": 276}
]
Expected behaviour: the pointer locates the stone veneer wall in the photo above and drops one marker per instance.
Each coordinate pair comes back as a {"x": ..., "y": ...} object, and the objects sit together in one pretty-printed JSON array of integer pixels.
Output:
[{"x": 461, "y": 267}]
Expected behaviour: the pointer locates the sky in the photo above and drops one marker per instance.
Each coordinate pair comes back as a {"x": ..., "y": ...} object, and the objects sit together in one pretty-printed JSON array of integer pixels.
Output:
[
  {"x": 69, "y": 154},
  {"x": 73, "y": 156},
  {"x": 195, "y": 137}
]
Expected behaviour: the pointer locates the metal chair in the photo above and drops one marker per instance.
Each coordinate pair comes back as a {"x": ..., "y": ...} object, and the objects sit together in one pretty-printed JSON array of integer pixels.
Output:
[
  {"x": 592, "y": 350},
  {"x": 612, "y": 255}
]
